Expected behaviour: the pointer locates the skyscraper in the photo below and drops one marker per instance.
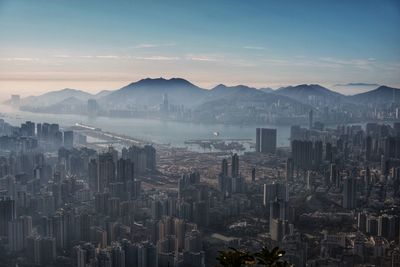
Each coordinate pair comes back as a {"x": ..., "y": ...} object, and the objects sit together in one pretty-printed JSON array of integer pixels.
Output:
[
  {"x": 68, "y": 139},
  {"x": 7, "y": 214},
  {"x": 349, "y": 193},
  {"x": 106, "y": 170},
  {"x": 224, "y": 167},
  {"x": 266, "y": 140},
  {"x": 235, "y": 166}
]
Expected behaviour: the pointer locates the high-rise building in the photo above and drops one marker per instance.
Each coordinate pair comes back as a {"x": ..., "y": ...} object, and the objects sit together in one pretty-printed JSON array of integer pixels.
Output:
[
  {"x": 147, "y": 255},
  {"x": 289, "y": 169},
  {"x": 224, "y": 167},
  {"x": 68, "y": 139},
  {"x": 266, "y": 140},
  {"x": 18, "y": 231},
  {"x": 93, "y": 176},
  {"x": 7, "y": 214},
  {"x": 235, "y": 166},
  {"x": 106, "y": 170},
  {"x": 349, "y": 193}
]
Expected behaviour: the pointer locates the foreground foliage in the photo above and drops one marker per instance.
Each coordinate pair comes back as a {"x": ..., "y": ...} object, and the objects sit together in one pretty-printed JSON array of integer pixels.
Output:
[{"x": 238, "y": 258}]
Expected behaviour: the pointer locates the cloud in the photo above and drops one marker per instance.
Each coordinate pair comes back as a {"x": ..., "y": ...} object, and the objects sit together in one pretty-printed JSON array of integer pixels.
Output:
[
  {"x": 62, "y": 56},
  {"x": 147, "y": 45},
  {"x": 159, "y": 58},
  {"x": 254, "y": 47},
  {"x": 202, "y": 58},
  {"x": 20, "y": 59},
  {"x": 357, "y": 84},
  {"x": 107, "y": 56}
]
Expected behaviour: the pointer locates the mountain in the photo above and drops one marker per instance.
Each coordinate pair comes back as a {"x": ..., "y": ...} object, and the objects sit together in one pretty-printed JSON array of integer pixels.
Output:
[
  {"x": 310, "y": 93},
  {"x": 102, "y": 93},
  {"x": 150, "y": 92},
  {"x": 69, "y": 105},
  {"x": 267, "y": 90},
  {"x": 381, "y": 95},
  {"x": 54, "y": 97},
  {"x": 241, "y": 104}
]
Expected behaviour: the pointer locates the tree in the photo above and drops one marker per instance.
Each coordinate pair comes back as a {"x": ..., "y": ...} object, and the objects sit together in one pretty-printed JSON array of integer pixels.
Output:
[
  {"x": 265, "y": 257},
  {"x": 271, "y": 258},
  {"x": 234, "y": 258}
]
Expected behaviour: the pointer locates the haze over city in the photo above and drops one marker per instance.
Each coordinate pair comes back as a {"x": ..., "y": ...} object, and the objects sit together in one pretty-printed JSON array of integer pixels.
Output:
[
  {"x": 199, "y": 133},
  {"x": 97, "y": 45}
]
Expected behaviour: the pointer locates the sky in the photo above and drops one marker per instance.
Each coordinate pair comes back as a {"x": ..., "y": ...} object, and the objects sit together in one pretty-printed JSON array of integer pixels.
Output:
[{"x": 95, "y": 44}]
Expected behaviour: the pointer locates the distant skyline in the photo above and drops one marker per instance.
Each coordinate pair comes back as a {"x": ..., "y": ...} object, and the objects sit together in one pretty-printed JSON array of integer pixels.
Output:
[{"x": 95, "y": 45}]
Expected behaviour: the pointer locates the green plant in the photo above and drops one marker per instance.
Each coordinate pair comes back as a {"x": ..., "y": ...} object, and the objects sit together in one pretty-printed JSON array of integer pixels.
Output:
[{"x": 234, "y": 258}]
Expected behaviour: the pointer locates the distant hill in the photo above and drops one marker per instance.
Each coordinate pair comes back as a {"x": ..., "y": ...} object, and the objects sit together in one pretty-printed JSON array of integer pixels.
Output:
[
  {"x": 308, "y": 93},
  {"x": 266, "y": 90},
  {"x": 54, "y": 97},
  {"x": 150, "y": 92},
  {"x": 381, "y": 95},
  {"x": 230, "y": 104}
]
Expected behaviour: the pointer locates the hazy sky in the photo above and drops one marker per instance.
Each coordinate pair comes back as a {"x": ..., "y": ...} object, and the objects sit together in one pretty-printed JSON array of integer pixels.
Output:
[{"x": 98, "y": 44}]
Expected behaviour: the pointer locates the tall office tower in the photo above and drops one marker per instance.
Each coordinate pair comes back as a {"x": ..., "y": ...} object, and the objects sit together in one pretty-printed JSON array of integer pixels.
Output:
[
  {"x": 275, "y": 191},
  {"x": 28, "y": 129},
  {"x": 200, "y": 213},
  {"x": 39, "y": 130},
  {"x": 235, "y": 165},
  {"x": 131, "y": 252},
  {"x": 85, "y": 222},
  {"x": 317, "y": 153},
  {"x": 92, "y": 107},
  {"x": 396, "y": 128},
  {"x": 180, "y": 230},
  {"x": 104, "y": 259},
  {"x": 333, "y": 174},
  {"x": 68, "y": 139},
  {"x": 93, "y": 176},
  {"x": 193, "y": 255},
  {"x": 302, "y": 153},
  {"x": 106, "y": 170},
  {"x": 45, "y": 251},
  {"x": 224, "y": 167},
  {"x": 54, "y": 129},
  {"x": 310, "y": 119},
  {"x": 147, "y": 255},
  {"x": 349, "y": 193},
  {"x": 7, "y": 214},
  {"x": 193, "y": 242},
  {"x": 328, "y": 152},
  {"x": 18, "y": 230},
  {"x": 289, "y": 169},
  {"x": 279, "y": 228},
  {"x": 33, "y": 249},
  {"x": 258, "y": 139},
  {"x": 114, "y": 153},
  {"x": 125, "y": 171},
  {"x": 45, "y": 131},
  {"x": 101, "y": 202},
  {"x": 266, "y": 140},
  {"x": 98, "y": 236},
  {"x": 150, "y": 152},
  {"x": 253, "y": 174},
  {"x": 117, "y": 255}
]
